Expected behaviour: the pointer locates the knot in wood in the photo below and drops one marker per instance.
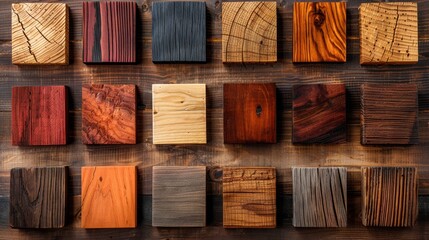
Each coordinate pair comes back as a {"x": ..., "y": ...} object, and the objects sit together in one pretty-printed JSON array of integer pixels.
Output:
[
  {"x": 258, "y": 110},
  {"x": 100, "y": 97},
  {"x": 319, "y": 18}
]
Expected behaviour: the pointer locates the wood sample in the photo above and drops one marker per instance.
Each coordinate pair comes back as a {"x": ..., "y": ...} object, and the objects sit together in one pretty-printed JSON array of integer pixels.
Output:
[
  {"x": 179, "y": 32},
  {"x": 388, "y": 33},
  {"x": 319, "y": 32},
  {"x": 389, "y": 114},
  {"x": 179, "y": 113},
  {"x": 39, "y": 115},
  {"x": 319, "y": 197},
  {"x": 249, "y": 197},
  {"x": 40, "y": 33},
  {"x": 38, "y": 197},
  {"x": 389, "y": 196},
  {"x": 109, "y": 197},
  {"x": 249, "y": 32},
  {"x": 109, "y": 32},
  {"x": 249, "y": 113},
  {"x": 319, "y": 113},
  {"x": 109, "y": 114},
  {"x": 179, "y": 196}
]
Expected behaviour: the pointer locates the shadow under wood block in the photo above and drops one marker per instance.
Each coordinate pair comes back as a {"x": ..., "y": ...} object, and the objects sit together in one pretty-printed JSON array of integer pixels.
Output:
[
  {"x": 38, "y": 197},
  {"x": 319, "y": 113},
  {"x": 388, "y": 33},
  {"x": 249, "y": 113},
  {"x": 389, "y": 196},
  {"x": 109, "y": 32},
  {"x": 249, "y": 32},
  {"x": 109, "y": 114},
  {"x": 319, "y": 197},
  {"x": 249, "y": 197},
  {"x": 179, "y": 113},
  {"x": 109, "y": 197},
  {"x": 179, "y": 32},
  {"x": 319, "y": 32},
  {"x": 389, "y": 114},
  {"x": 39, "y": 115},
  {"x": 179, "y": 196},
  {"x": 40, "y": 33}
]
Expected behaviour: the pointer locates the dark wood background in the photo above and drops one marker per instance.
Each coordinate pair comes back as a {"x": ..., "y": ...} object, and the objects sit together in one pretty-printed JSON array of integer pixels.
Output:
[{"x": 215, "y": 154}]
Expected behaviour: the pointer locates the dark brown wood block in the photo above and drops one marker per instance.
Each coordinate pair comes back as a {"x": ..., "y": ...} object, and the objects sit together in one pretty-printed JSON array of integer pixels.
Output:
[
  {"x": 39, "y": 115},
  {"x": 319, "y": 113},
  {"x": 38, "y": 197},
  {"x": 389, "y": 114},
  {"x": 249, "y": 113}
]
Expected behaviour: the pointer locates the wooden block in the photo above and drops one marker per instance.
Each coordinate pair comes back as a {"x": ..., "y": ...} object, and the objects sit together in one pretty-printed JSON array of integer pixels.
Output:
[
  {"x": 109, "y": 32},
  {"x": 179, "y": 113},
  {"x": 38, "y": 197},
  {"x": 179, "y": 196},
  {"x": 319, "y": 32},
  {"x": 109, "y": 114},
  {"x": 40, "y": 33},
  {"x": 319, "y": 197},
  {"x": 179, "y": 32},
  {"x": 249, "y": 32},
  {"x": 249, "y": 113},
  {"x": 388, "y": 33},
  {"x": 39, "y": 115},
  {"x": 319, "y": 113},
  {"x": 389, "y": 196},
  {"x": 109, "y": 197},
  {"x": 389, "y": 114},
  {"x": 249, "y": 197}
]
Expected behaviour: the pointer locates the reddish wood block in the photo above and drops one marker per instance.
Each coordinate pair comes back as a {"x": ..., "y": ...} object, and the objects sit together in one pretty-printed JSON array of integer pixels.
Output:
[{"x": 39, "y": 115}]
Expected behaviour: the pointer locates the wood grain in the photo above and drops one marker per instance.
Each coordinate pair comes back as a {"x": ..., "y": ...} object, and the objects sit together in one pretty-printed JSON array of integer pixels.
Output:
[
  {"x": 249, "y": 32},
  {"x": 109, "y": 114},
  {"x": 249, "y": 197},
  {"x": 109, "y": 197},
  {"x": 319, "y": 113},
  {"x": 389, "y": 196},
  {"x": 179, "y": 113},
  {"x": 38, "y": 197},
  {"x": 40, "y": 33},
  {"x": 319, "y": 32},
  {"x": 388, "y": 33},
  {"x": 109, "y": 32},
  {"x": 179, "y": 196}
]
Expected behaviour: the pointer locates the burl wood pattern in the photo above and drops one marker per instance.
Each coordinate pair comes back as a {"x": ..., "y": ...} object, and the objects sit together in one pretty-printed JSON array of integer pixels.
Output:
[
  {"x": 319, "y": 32},
  {"x": 389, "y": 196},
  {"x": 109, "y": 197},
  {"x": 40, "y": 33},
  {"x": 179, "y": 32},
  {"x": 109, "y": 32},
  {"x": 319, "y": 113},
  {"x": 249, "y": 32},
  {"x": 249, "y": 113},
  {"x": 39, "y": 115},
  {"x": 179, "y": 113},
  {"x": 179, "y": 196},
  {"x": 388, "y": 33},
  {"x": 38, "y": 197},
  {"x": 109, "y": 114},
  {"x": 249, "y": 197},
  {"x": 319, "y": 197},
  {"x": 389, "y": 114}
]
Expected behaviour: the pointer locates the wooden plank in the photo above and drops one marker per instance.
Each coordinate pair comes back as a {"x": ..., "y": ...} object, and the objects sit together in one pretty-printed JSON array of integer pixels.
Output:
[
  {"x": 249, "y": 113},
  {"x": 319, "y": 113},
  {"x": 249, "y": 32},
  {"x": 319, "y": 32},
  {"x": 388, "y": 33},
  {"x": 108, "y": 114},
  {"x": 179, "y": 196},
  {"x": 40, "y": 33}
]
